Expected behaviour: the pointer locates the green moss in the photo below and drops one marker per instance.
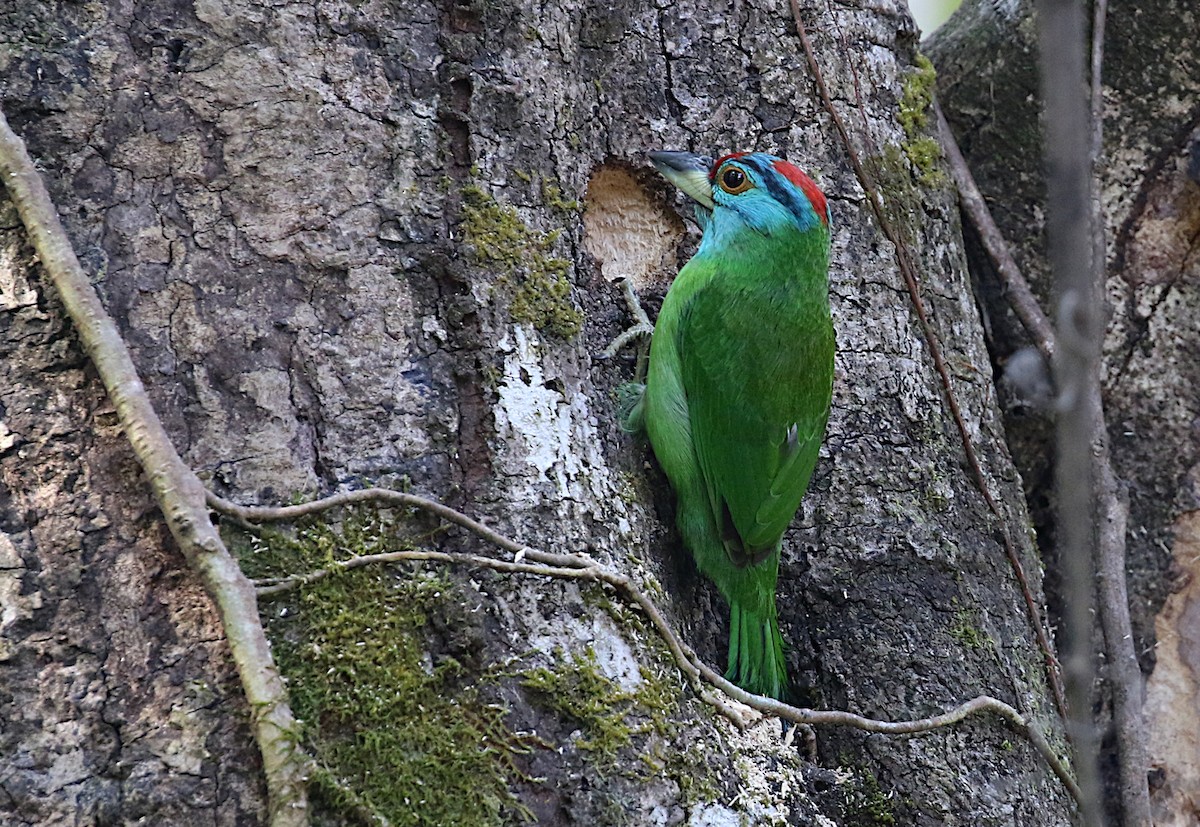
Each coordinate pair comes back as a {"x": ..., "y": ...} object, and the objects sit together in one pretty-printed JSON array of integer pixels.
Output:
[
  {"x": 577, "y": 689},
  {"x": 645, "y": 722},
  {"x": 544, "y": 300},
  {"x": 904, "y": 201},
  {"x": 916, "y": 97},
  {"x": 966, "y": 632},
  {"x": 552, "y": 195},
  {"x": 494, "y": 230},
  {"x": 925, "y": 155},
  {"x": 668, "y": 751},
  {"x": 916, "y": 100},
  {"x": 658, "y": 697},
  {"x": 867, "y": 804},
  {"x": 541, "y": 291},
  {"x": 657, "y": 735},
  {"x": 394, "y": 735}
]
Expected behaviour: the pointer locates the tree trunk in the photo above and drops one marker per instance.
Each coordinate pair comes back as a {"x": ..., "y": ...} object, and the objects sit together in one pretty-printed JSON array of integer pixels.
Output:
[
  {"x": 1151, "y": 205},
  {"x": 357, "y": 243}
]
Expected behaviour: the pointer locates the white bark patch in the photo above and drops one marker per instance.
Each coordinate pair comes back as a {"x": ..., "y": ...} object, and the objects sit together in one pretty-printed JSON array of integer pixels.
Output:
[
  {"x": 15, "y": 291},
  {"x": 615, "y": 658},
  {"x": 534, "y": 420},
  {"x": 548, "y": 447},
  {"x": 768, "y": 773},
  {"x": 714, "y": 815},
  {"x": 14, "y": 606}
]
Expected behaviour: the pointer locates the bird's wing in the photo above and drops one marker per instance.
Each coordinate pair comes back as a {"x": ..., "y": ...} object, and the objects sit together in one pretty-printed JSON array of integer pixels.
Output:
[{"x": 757, "y": 372}]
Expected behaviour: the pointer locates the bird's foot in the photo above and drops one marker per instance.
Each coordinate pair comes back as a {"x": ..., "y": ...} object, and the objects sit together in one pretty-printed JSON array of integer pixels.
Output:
[
  {"x": 642, "y": 328},
  {"x": 622, "y": 341}
]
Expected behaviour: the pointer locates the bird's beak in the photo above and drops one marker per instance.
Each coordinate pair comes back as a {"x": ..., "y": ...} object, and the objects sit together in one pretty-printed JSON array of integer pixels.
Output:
[{"x": 687, "y": 171}]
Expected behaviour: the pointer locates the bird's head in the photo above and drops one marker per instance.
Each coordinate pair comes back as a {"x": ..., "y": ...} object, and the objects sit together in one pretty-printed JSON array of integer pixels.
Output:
[{"x": 751, "y": 189}]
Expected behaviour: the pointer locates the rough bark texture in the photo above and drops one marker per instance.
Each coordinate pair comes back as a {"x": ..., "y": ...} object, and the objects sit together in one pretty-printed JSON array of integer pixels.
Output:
[
  {"x": 363, "y": 241},
  {"x": 1151, "y": 200},
  {"x": 118, "y": 696}
]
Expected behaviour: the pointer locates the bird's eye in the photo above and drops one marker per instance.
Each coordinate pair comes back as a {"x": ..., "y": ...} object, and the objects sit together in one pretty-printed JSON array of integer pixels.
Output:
[{"x": 734, "y": 181}]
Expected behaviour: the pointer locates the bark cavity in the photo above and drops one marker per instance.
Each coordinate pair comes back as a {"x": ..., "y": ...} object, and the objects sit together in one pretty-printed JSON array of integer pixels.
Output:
[{"x": 629, "y": 233}]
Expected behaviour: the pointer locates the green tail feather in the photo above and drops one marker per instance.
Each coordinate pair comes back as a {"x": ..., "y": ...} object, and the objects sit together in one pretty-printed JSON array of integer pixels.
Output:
[{"x": 756, "y": 653}]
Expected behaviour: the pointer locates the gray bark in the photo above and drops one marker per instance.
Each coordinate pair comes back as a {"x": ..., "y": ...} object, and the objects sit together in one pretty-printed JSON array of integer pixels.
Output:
[{"x": 328, "y": 233}]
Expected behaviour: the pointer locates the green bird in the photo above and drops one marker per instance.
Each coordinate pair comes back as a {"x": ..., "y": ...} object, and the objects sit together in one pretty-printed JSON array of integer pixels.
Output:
[{"x": 739, "y": 382}]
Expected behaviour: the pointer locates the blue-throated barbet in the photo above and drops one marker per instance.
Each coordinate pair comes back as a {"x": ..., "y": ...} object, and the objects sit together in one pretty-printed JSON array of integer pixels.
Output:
[{"x": 739, "y": 382}]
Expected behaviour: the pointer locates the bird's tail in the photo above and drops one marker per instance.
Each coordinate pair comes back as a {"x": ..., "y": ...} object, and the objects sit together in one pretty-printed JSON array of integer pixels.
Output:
[{"x": 756, "y": 652}]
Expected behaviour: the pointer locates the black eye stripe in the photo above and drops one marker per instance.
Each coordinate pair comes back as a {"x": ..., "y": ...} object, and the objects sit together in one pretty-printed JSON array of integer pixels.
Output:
[
  {"x": 788, "y": 197},
  {"x": 779, "y": 193}
]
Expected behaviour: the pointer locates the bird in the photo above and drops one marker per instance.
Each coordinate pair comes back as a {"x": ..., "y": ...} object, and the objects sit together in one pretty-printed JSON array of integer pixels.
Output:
[{"x": 739, "y": 382}]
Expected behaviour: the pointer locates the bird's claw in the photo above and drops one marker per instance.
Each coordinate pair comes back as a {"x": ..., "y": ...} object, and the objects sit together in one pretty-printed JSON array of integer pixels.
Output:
[
  {"x": 642, "y": 328},
  {"x": 622, "y": 341}
]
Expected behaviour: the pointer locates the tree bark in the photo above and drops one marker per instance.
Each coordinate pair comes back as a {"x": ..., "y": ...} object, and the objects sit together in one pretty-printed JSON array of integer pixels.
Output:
[
  {"x": 352, "y": 243},
  {"x": 1151, "y": 209}
]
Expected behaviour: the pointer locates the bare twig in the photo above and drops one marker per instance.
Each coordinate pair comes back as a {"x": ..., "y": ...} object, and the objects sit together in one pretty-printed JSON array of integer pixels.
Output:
[
  {"x": 287, "y": 513},
  {"x": 582, "y": 567},
  {"x": 1020, "y": 297},
  {"x": 1077, "y": 365},
  {"x": 177, "y": 490},
  {"x": 273, "y": 586},
  {"x": 983, "y": 703},
  {"x": 1124, "y": 673},
  {"x": 909, "y": 272}
]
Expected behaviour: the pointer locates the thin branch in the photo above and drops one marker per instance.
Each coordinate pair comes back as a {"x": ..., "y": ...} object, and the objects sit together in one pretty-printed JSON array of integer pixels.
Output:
[
  {"x": 1099, "y": 20},
  {"x": 274, "y": 586},
  {"x": 1124, "y": 673},
  {"x": 1080, "y": 329},
  {"x": 288, "y": 513},
  {"x": 573, "y": 562},
  {"x": 179, "y": 493},
  {"x": 1017, "y": 291},
  {"x": 582, "y": 567},
  {"x": 909, "y": 271},
  {"x": 983, "y": 703}
]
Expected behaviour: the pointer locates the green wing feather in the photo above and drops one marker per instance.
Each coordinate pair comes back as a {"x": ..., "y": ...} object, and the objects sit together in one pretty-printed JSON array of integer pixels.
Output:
[{"x": 756, "y": 363}]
